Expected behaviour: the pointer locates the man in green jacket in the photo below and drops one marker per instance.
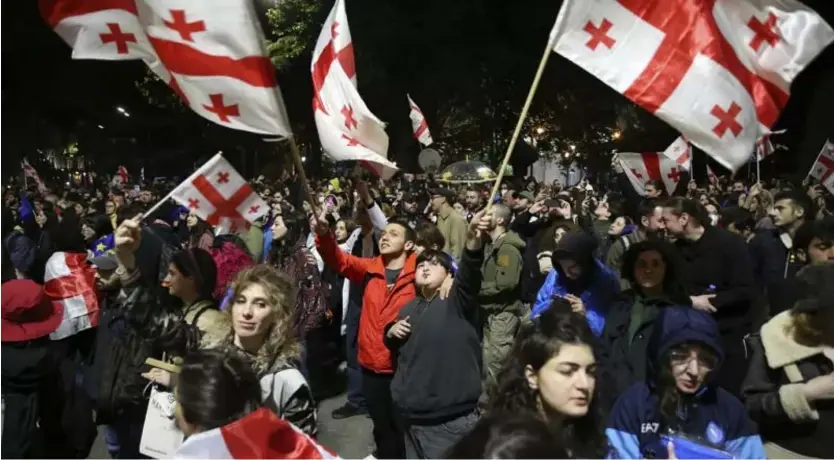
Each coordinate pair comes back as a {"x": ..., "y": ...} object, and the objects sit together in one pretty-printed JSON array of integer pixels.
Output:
[
  {"x": 451, "y": 223},
  {"x": 500, "y": 294}
]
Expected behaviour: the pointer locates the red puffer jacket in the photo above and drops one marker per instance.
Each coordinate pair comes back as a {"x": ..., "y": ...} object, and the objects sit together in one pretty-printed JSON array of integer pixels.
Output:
[{"x": 380, "y": 305}]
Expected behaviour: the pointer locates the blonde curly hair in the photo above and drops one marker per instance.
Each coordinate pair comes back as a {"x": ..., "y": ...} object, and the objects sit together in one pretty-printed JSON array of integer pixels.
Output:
[{"x": 281, "y": 340}]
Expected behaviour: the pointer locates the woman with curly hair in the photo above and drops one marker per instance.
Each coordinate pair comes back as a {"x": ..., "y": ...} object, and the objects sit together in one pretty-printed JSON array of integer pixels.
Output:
[
  {"x": 551, "y": 374},
  {"x": 262, "y": 310}
]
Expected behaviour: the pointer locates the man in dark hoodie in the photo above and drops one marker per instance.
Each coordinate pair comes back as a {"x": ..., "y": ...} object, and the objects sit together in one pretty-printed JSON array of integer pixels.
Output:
[
  {"x": 436, "y": 342},
  {"x": 679, "y": 400}
]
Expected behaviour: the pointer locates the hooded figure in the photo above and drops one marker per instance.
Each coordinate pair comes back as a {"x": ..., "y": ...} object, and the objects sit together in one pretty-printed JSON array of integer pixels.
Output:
[
  {"x": 585, "y": 282},
  {"x": 678, "y": 398}
]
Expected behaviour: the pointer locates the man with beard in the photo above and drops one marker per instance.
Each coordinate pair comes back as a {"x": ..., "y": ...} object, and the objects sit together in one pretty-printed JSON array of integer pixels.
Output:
[
  {"x": 718, "y": 270},
  {"x": 774, "y": 260},
  {"x": 411, "y": 211},
  {"x": 649, "y": 224},
  {"x": 473, "y": 204}
]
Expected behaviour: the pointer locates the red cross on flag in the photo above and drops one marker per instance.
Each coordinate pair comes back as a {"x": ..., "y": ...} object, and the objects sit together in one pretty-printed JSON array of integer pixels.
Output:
[
  {"x": 210, "y": 52},
  {"x": 718, "y": 71},
  {"x": 70, "y": 281},
  {"x": 347, "y": 128},
  {"x": 680, "y": 152},
  {"x": 823, "y": 168},
  {"x": 419, "y": 124},
  {"x": 220, "y": 196},
  {"x": 640, "y": 168}
]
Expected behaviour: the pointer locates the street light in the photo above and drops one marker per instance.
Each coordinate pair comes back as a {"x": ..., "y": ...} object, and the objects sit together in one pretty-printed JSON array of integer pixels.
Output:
[
  {"x": 122, "y": 111},
  {"x": 303, "y": 159},
  {"x": 100, "y": 127},
  {"x": 540, "y": 130},
  {"x": 615, "y": 135},
  {"x": 572, "y": 148}
]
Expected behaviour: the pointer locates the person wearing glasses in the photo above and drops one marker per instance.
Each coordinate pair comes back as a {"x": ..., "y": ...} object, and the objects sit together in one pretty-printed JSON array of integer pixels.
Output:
[{"x": 679, "y": 405}]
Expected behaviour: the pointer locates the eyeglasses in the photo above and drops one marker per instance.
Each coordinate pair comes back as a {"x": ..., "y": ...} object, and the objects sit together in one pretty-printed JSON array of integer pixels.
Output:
[{"x": 682, "y": 359}]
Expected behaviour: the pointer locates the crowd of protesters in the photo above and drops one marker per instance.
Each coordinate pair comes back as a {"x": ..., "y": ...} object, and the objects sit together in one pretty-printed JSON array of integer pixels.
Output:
[{"x": 562, "y": 322}]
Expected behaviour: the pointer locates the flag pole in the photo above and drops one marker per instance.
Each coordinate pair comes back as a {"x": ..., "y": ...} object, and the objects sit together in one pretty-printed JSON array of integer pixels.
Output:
[
  {"x": 758, "y": 168},
  {"x": 547, "y": 52},
  {"x": 299, "y": 169}
]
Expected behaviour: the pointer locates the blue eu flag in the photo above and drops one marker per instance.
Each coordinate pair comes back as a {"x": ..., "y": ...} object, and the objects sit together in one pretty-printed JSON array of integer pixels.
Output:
[
  {"x": 103, "y": 245},
  {"x": 25, "y": 210}
]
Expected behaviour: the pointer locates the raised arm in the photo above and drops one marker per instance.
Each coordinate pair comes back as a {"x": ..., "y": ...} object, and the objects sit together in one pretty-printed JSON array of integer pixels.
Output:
[
  {"x": 351, "y": 267},
  {"x": 469, "y": 276}
]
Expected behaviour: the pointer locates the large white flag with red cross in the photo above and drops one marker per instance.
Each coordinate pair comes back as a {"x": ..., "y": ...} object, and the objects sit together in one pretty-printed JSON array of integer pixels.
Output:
[
  {"x": 640, "y": 168},
  {"x": 419, "y": 123},
  {"x": 719, "y": 71},
  {"x": 218, "y": 194},
  {"x": 210, "y": 52},
  {"x": 347, "y": 128},
  {"x": 29, "y": 171}
]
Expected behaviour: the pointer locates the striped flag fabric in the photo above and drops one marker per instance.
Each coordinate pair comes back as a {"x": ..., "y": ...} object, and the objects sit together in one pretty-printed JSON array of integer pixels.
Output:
[
  {"x": 347, "y": 128},
  {"x": 640, "y": 168},
  {"x": 209, "y": 52},
  {"x": 419, "y": 123},
  {"x": 823, "y": 168},
  {"x": 30, "y": 172},
  {"x": 70, "y": 281},
  {"x": 260, "y": 434}
]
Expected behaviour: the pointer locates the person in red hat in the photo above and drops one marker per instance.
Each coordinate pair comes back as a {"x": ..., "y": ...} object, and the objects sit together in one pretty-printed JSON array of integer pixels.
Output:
[{"x": 30, "y": 379}]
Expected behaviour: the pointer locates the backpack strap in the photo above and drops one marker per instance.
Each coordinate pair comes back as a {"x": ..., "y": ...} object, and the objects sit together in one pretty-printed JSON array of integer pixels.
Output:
[
  {"x": 626, "y": 242},
  {"x": 202, "y": 310}
]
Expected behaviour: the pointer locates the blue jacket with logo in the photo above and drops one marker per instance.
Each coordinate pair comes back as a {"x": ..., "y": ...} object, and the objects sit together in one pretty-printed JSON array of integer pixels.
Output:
[
  {"x": 598, "y": 298},
  {"x": 713, "y": 417}
]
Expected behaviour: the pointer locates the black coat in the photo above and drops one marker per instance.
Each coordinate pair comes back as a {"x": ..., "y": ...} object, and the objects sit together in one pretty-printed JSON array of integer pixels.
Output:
[
  {"x": 776, "y": 403},
  {"x": 719, "y": 263},
  {"x": 625, "y": 362}
]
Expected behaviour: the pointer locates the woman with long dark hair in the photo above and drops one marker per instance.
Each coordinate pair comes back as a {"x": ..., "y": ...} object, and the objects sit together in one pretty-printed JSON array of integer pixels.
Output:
[
  {"x": 551, "y": 374},
  {"x": 653, "y": 271},
  {"x": 199, "y": 233},
  {"x": 679, "y": 404}
]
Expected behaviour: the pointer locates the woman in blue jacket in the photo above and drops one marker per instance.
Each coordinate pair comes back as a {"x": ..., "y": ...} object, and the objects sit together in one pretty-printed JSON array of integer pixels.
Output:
[
  {"x": 678, "y": 400},
  {"x": 586, "y": 283}
]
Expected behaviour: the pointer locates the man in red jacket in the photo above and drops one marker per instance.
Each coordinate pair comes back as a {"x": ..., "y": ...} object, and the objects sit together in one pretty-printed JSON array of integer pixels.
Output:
[{"x": 388, "y": 281}]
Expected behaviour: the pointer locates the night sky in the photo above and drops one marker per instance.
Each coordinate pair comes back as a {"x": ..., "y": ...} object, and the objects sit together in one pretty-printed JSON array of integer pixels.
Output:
[{"x": 42, "y": 85}]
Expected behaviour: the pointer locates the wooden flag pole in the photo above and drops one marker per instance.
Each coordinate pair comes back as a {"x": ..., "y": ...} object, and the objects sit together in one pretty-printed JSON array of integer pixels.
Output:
[
  {"x": 299, "y": 169},
  {"x": 542, "y": 64}
]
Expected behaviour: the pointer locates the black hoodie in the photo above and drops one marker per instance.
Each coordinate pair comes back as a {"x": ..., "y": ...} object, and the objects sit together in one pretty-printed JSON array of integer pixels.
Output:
[{"x": 437, "y": 376}]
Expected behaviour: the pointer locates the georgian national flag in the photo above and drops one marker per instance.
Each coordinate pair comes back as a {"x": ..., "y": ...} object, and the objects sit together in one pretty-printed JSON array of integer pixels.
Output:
[
  {"x": 764, "y": 147},
  {"x": 419, "y": 123},
  {"x": 680, "y": 152},
  {"x": 347, "y": 128},
  {"x": 640, "y": 168},
  {"x": 31, "y": 173},
  {"x": 210, "y": 52},
  {"x": 260, "y": 434},
  {"x": 218, "y": 194},
  {"x": 823, "y": 168},
  {"x": 717, "y": 71},
  {"x": 70, "y": 280}
]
